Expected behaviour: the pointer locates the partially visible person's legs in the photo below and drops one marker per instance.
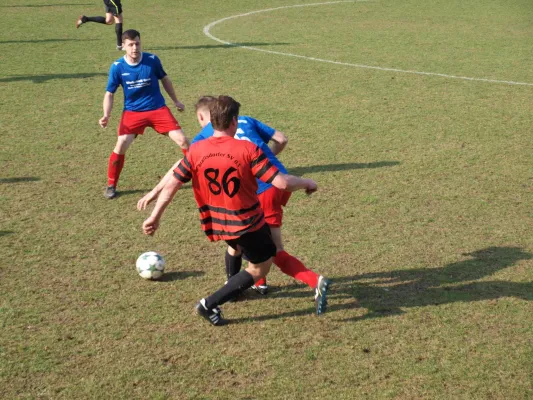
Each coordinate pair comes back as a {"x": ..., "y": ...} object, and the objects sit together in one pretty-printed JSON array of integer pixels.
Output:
[
  {"x": 113, "y": 14},
  {"x": 116, "y": 163},
  {"x": 258, "y": 248},
  {"x": 164, "y": 122}
]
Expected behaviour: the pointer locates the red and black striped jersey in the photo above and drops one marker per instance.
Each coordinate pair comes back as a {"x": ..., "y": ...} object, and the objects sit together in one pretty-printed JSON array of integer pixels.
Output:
[{"x": 223, "y": 172}]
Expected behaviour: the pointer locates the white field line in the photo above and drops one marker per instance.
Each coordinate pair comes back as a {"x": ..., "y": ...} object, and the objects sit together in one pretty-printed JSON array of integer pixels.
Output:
[{"x": 208, "y": 27}]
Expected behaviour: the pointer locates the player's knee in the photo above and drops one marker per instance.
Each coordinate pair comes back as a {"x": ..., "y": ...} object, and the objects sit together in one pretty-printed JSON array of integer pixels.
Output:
[
  {"x": 123, "y": 142},
  {"x": 179, "y": 138}
]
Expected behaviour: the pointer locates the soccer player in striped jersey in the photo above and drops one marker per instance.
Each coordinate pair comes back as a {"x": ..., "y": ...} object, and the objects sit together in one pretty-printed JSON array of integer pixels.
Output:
[
  {"x": 223, "y": 171},
  {"x": 271, "y": 198},
  {"x": 139, "y": 74},
  {"x": 113, "y": 13}
]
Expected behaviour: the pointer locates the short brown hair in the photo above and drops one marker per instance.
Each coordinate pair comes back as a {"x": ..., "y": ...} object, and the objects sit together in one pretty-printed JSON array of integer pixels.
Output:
[
  {"x": 130, "y": 34},
  {"x": 223, "y": 110},
  {"x": 205, "y": 102}
]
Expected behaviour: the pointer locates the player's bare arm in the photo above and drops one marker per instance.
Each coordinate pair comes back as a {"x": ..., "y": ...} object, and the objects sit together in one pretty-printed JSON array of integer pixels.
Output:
[
  {"x": 279, "y": 141},
  {"x": 154, "y": 193},
  {"x": 108, "y": 106},
  {"x": 169, "y": 88},
  {"x": 292, "y": 183},
  {"x": 151, "y": 224}
]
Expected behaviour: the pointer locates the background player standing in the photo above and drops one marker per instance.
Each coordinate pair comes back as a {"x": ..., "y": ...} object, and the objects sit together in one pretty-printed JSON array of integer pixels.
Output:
[
  {"x": 223, "y": 172},
  {"x": 113, "y": 13},
  {"x": 144, "y": 106}
]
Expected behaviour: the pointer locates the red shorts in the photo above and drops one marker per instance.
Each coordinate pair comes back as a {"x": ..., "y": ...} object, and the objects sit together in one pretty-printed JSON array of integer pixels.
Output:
[
  {"x": 134, "y": 122},
  {"x": 272, "y": 200}
]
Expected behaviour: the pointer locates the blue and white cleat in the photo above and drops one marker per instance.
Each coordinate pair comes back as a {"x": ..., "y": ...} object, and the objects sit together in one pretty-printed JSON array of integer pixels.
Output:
[{"x": 321, "y": 293}]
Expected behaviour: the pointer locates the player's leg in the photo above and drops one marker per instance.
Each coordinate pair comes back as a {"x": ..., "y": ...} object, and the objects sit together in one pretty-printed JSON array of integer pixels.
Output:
[
  {"x": 233, "y": 261},
  {"x": 258, "y": 247},
  {"x": 82, "y": 19},
  {"x": 180, "y": 139},
  {"x": 114, "y": 15},
  {"x": 116, "y": 163},
  {"x": 131, "y": 124},
  {"x": 290, "y": 265},
  {"x": 117, "y": 19},
  {"x": 164, "y": 123}
]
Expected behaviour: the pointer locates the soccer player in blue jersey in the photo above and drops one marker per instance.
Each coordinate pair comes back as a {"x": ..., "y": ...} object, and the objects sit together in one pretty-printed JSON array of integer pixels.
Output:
[
  {"x": 113, "y": 13},
  {"x": 139, "y": 74},
  {"x": 271, "y": 198}
]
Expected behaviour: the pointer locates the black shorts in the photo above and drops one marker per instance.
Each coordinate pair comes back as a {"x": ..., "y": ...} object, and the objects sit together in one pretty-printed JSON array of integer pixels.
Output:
[
  {"x": 113, "y": 6},
  {"x": 256, "y": 246}
]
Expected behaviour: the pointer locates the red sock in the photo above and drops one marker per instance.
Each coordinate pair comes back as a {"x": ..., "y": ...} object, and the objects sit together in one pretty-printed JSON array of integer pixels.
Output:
[
  {"x": 290, "y": 265},
  {"x": 261, "y": 282},
  {"x": 116, "y": 162}
]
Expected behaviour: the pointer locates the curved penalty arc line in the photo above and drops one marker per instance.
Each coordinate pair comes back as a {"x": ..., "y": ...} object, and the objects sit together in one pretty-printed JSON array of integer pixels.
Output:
[{"x": 208, "y": 27}]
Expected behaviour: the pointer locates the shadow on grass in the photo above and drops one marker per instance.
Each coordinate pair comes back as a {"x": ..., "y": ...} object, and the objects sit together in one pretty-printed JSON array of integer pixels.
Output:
[
  {"x": 179, "y": 275},
  {"x": 298, "y": 171},
  {"x": 20, "y": 179},
  {"x": 5, "y": 233},
  {"x": 47, "y": 5},
  {"x": 46, "y": 41},
  {"x": 49, "y": 77},
  {"x": 213, "y": 46},
  {"x": 435, "y": 286},
  {"x": 389, "y": 293}
]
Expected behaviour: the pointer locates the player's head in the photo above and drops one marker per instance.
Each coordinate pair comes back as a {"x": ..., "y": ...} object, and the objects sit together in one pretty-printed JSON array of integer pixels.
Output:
[
  {"x": 203, "y": 109},
  {"x": 224, "y": 114},
  {"x": 131, "y": 43}
]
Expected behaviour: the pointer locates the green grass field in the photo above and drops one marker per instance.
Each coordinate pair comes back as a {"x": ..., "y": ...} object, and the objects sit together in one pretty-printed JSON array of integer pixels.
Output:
[{"x": 423, "y": 220}]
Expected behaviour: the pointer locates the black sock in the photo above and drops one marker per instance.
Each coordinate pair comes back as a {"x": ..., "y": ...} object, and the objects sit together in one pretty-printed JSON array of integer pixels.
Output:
[
  {"x": 233, "y": 264},
  {"x": 100, "y": 20},
  {"x": 238, "y": 283},
  {"x": 118, "y": 30}
]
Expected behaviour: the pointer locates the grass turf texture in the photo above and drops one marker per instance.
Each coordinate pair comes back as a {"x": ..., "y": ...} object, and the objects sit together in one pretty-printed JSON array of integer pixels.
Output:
[{"x": 423, "y": 219}]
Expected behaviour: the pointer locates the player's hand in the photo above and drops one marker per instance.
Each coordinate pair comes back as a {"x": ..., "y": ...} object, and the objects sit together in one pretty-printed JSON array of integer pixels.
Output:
[
  {"x": 311, "y": 187},
  {"x": 150, "y": 225},
  {"x": 103, "y": 121},
  {"x": 179, "y": 105},
  {"x": 147, "y": 199}
]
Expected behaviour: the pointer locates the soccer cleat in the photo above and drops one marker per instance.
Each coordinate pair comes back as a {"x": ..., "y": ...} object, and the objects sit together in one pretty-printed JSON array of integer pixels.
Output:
[
  {"x": 213, "y": 316},
  {"x": 261, "y": 289},
  {"x": 119, "y": 48},
  {"x": 321, "y": 293},
  {"x": 80, "y": 21},
  {"x": 110, "y": 192}
]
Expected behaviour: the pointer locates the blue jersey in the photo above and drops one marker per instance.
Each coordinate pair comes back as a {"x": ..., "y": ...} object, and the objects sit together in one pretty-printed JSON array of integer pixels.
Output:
[
  {"x": 256, "y": 132},
  {"x": 140, "y": 82}
]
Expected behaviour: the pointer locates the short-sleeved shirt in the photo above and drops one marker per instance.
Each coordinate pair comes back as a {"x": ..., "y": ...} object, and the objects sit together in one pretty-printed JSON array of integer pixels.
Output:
[
  {"x": 254, "y": 131},
  {"x": 140, "y": 82},
  {"x": 224, "y": 172}
]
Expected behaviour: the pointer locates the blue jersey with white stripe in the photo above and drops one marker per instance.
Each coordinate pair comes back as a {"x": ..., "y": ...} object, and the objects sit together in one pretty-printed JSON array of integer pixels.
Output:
[
  {"x": 140, "y": 82},
  {"x": 256, "y": 132}
]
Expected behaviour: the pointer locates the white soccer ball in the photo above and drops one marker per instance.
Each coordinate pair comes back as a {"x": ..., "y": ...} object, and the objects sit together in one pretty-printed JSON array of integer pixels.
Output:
[{"x": 150, "y": 265}]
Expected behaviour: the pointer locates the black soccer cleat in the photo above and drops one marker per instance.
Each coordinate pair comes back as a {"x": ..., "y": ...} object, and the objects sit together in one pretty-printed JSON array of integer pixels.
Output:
[
  {"x": 110, "y": 192},
  {"x": 213, "y": 316},
  {"x": 321, "y": 293},
  {"x": 261, "y": 289}
]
